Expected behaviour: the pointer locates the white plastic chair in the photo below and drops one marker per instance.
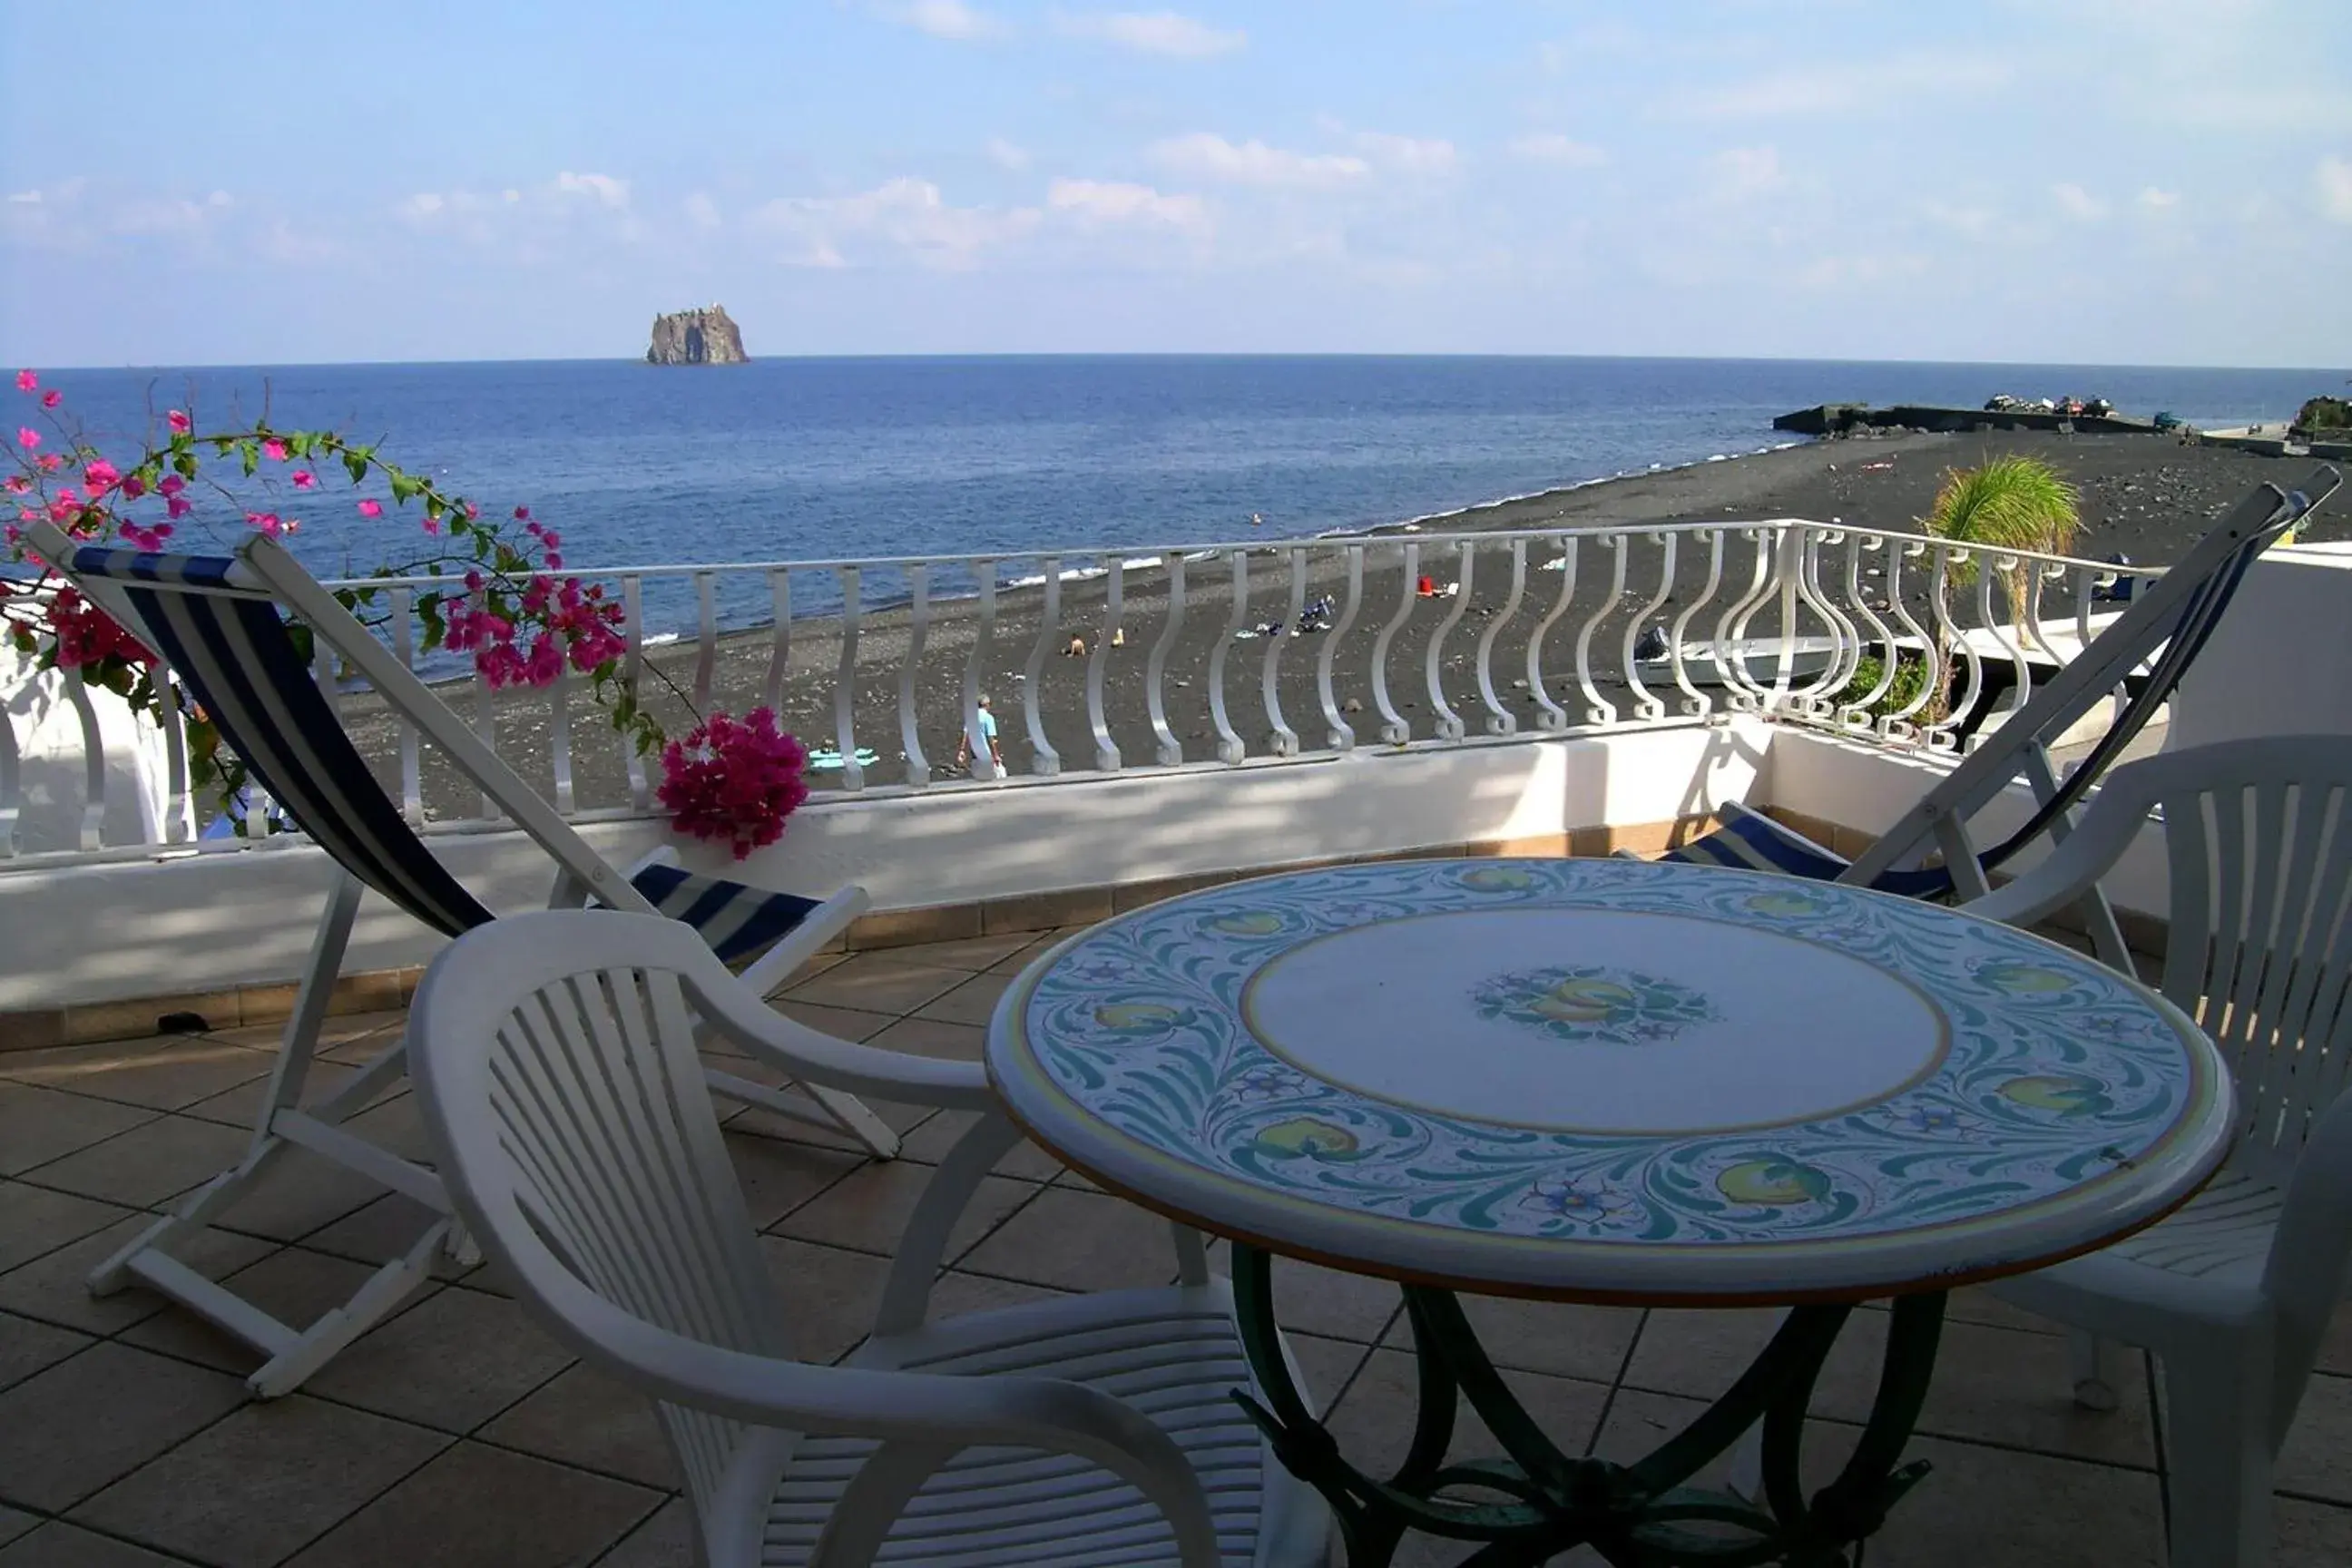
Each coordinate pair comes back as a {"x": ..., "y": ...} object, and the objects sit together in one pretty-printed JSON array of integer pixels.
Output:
[
  {"x": 2233, "y": 1292},
  {"x": 553, "y": 1056},
  {"x": 217, "y": 622}
]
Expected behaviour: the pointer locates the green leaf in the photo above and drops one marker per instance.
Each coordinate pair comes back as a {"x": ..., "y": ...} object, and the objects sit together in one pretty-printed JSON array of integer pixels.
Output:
[
  {"x": 355, "y": 465},
  {"x": 248, "y": 453},
  {"x": 184, "y": 465}
]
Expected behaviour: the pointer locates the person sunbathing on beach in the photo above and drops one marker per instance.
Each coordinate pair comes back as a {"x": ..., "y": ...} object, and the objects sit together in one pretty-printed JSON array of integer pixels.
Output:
[{"x": 1077, "y": 648}]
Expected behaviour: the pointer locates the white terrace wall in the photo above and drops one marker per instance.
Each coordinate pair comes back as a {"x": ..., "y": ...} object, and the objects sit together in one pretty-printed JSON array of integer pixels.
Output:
[
  {"x": 47, "y": 731},
  {"x": 191, "y": 922}
]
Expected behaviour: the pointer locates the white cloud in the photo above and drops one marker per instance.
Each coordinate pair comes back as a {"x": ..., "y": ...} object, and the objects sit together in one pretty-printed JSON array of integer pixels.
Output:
[
  {"x": 945, "y": 19},
  {"x": 423, "y": 204},
  {"x": 1155, "y": 33},
  {"x": 904, "y": 215},
  {"x": 1205, "y": 155},
  {"x": 2333, "y": 180},
  {"x": 1741, "y": 172},
  {"x": 1409, "y": 155},
  {"x": 1977, "y": 223},
  {"x": 701, "y": 211},
  {"x": 2151, "y": 199},
  {"x": 2077, "y": 203},
  {"x": 1881, "y": 84},
  {"x": 1119, "y": 201},
  {"x": 612, "y": 193},
  {"x": 1006, "y": 154},
  {"x": 1551, "y": 147}
]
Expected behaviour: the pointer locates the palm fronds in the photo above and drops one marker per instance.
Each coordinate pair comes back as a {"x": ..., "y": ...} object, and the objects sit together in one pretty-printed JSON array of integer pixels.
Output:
[{"x": 2007, "y": 503}]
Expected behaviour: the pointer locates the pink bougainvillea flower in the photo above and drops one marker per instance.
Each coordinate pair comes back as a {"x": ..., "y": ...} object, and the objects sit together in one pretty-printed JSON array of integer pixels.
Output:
[
  {"x": 26, "y": 381},
  {"x": 432, "y": 525},
  {"x": 134, "y": 487},
  {"x": 179, "y": 506},
  {"x": 523, "y": 514},
  {"x": 734, "y": 781},
  {"x": 50, "y": 462},
  {"x": 274, "y": 451},
  {"x": 101, "y": 476},
  {"x": 179, "y": 421},
  {"x": 151, "y": 540},
  {"x": 171, "y": 484},
  {"x": 16, "y": 484},
  {"x": 305, "y": 479},
  {"x": 472, "y": 511},
  {"x": 27, "y": 437},
  {"x": 371, "y": 508},
  {"x": 51, "y": 398}
]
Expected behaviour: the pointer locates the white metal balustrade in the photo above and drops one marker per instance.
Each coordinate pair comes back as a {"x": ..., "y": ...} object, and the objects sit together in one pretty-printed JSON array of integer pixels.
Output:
[{"x": 1776, "y": 616}]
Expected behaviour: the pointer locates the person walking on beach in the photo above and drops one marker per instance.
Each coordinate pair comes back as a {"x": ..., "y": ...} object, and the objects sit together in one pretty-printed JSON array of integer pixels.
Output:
[{"x": 985, "y": 723}]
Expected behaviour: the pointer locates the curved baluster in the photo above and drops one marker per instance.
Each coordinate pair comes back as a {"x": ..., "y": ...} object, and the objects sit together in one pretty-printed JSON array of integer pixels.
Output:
[
  {"x": 12, "y": 785},
  {"x": 485, "y": 727},
  {"x": 1155, "y": 671},
  {"x": 2039, "y": 572},
  {"x": 845, "y": 681},
  {"x": 1550, "y": 717},
  {"x": 1282, "y": 740},
  {"x": 559, "y": 736},
  {"x": 1337, "y": 733},
  {"x": 1449, "y": 723},
  {"x": 1814, "y": 701},
  {"x": 1599, "y": 709},
  {"x": 412, "y": 776},
  {"x": 1501, "y": 721},
  {"x": 1854, "y": 712},
  {"x": 1697, "y": 704},
  {"x": 1114, "y": 599},
  {"x": 1898, "y": 725},
  {"x": 1393, "y": 728},
  {"x": 1230, "y": 748},
  {"x": 1747, "y": 695},
  {"x": 1047, "y": 761},
  {"x": 1646, "y": 706},
  {"x": 92, "y": 833},
  {"x": 632, "y": 665},
  {"x": 919, "y": 630},
  {"x": 2020, "y": 676},
  {"x": 780, "y": 644},
  {"x": 983, "y": 642},
  {"x": 1941, "y": 733},
  {"x": 706, "y": 646},
  {"x": 179, "y": 781}
]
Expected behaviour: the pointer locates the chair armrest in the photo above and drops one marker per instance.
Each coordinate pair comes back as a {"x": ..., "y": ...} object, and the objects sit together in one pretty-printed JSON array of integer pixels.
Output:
[
  {"x": 739, "y": 1013},
  {"x": 2112, "y": 821},
  {"x": 935, "y": 1411}
]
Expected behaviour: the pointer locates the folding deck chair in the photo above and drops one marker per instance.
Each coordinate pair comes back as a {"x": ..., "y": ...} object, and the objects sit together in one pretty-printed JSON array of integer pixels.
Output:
[
  {"x": 2146, "y": 651},
  {"x": 216, "y": 623}
]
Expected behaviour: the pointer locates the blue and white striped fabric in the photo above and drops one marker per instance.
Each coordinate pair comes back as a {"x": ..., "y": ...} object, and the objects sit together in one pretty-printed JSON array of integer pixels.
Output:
[
  {"x": 236, "y": 654},
  {"x": 735, "y": 920},
  {"x": 1751, "y": 841}
]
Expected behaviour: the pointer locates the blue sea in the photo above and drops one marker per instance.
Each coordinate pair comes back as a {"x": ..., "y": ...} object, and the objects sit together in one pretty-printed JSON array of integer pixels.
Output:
[{"x": 827, "y": 459}]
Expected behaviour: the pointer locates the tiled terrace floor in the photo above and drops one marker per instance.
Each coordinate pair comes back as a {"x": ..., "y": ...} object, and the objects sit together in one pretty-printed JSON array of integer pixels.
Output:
[{"x": 457, "y": 1434}]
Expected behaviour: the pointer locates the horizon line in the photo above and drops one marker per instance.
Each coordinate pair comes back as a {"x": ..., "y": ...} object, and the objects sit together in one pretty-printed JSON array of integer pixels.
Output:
[{"x": 1171, "y": 354}]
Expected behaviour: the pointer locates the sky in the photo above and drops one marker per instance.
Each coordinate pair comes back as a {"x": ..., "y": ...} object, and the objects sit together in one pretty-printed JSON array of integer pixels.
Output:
[{"x": 2095, "y": 182}]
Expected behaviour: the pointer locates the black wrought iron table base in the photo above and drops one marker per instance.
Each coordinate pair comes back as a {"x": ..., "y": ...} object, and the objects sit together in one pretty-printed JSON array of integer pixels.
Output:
[{"x": 1536, "y": 1502}]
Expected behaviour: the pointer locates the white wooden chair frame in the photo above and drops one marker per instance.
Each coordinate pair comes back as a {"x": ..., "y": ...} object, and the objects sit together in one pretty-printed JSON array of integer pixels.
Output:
[
  {"x": 283, "y": 1123},
  {"x": 554, "y": 1068}
]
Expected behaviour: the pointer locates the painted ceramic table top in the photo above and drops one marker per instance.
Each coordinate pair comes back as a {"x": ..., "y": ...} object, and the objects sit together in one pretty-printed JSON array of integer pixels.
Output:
[{"x": 1611, "y": 1080}]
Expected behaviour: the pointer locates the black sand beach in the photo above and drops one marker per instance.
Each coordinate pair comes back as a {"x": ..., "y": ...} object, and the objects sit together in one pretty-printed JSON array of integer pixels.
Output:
[{"x": 2146, "y": 498}]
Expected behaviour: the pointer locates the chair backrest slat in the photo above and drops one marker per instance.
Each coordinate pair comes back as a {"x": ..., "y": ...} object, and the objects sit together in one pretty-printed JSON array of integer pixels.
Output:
[
  {"x": 581, "y": 1137},
  {"x": 238, "y": 660},
  {"x": 2259, "y": 950}
]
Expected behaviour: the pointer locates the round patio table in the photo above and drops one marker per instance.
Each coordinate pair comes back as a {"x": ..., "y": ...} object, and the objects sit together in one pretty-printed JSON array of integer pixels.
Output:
[{"x": 1610, "y": 1081}]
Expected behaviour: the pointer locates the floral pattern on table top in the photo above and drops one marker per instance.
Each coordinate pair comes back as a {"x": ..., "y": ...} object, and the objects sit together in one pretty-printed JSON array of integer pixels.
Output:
[
  {"x": 2059, "y": 1071},
  {"x": 1590, "y": 1002}
]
